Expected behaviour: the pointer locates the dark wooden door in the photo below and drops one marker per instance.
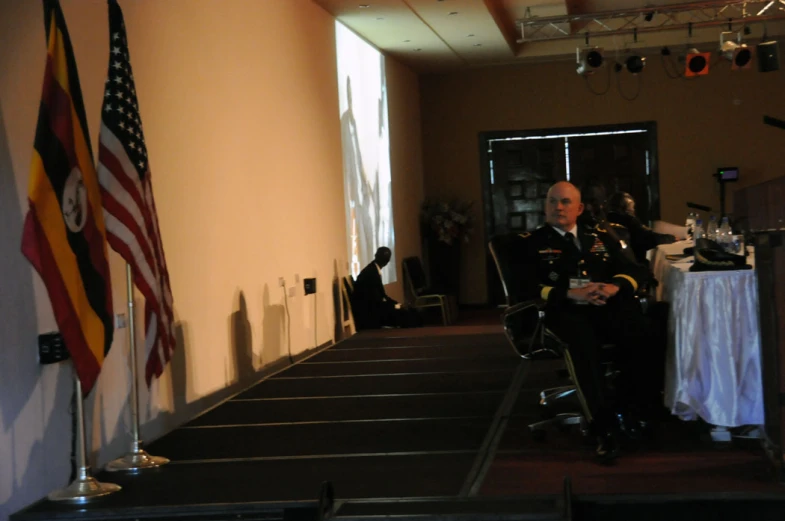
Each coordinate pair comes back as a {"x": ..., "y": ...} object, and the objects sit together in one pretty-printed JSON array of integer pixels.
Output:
[{"x": 618, "y": 162}]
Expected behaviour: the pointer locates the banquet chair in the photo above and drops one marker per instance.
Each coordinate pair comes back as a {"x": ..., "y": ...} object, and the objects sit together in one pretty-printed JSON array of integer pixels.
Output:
[{"x": 417, "y": 293}]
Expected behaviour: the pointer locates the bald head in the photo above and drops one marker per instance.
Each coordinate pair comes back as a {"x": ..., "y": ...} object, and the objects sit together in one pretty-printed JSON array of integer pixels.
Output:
[{"x": 563, "y": 205}]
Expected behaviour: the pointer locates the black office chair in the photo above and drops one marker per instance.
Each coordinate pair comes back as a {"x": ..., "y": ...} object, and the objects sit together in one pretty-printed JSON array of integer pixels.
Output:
[
  {"x": 416, "y": 291},
  {"x": 525, "y": 329}
]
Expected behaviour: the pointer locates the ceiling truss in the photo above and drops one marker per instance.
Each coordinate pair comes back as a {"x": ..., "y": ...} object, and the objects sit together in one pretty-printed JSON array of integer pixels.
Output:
[{"x": 733, "y": 14}]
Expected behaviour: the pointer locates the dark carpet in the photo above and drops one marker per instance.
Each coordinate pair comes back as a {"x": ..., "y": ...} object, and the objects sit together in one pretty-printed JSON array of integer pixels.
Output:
[{"x": 412, "y": 423}]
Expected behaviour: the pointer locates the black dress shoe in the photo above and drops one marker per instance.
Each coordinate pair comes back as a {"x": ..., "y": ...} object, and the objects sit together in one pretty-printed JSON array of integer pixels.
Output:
[{"x": 607, "y": 448}]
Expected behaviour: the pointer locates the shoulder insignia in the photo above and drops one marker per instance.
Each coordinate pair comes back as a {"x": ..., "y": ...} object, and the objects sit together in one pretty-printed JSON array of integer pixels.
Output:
[
  {"x": 525, "y": 235},
  {"x": 601, "y": 230},
  {"x": 616, "y": 225}
]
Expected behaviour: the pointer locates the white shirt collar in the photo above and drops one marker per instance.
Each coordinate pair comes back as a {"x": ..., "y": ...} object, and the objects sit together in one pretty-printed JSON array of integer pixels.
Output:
[
  {"x": 573, "y": 231},
  {"x": 378, "y": 268}
]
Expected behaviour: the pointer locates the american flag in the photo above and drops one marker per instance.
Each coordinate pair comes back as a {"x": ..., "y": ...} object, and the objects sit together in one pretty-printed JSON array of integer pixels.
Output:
[{"x": 127, "y": 195}]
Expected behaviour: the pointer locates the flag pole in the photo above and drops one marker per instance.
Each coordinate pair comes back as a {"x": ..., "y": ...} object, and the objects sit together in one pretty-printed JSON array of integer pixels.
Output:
[
  {"x": 138, "y": 458},
  {"x": 84, "y": 488}
]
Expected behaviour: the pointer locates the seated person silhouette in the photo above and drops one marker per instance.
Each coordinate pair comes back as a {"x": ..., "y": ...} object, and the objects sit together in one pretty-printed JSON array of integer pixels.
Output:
[
  {"x": 371, "y": 306},
  {"x": 621, "y": 210},
  {"x": 593, "y": 217}
]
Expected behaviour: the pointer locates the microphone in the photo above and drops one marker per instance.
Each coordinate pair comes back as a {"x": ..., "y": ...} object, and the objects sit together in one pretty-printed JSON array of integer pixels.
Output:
[{"x": 696, "y": 206}]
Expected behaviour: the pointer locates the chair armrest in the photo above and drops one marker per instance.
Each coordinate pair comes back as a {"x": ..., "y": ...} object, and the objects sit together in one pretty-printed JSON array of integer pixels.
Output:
[
  {"x": 430, "y": 297},
  {"x": 524, "y": 313}
]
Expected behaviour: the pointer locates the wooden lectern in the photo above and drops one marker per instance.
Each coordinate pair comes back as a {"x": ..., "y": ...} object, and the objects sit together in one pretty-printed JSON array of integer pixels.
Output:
[{"x": 763, "y": 206}]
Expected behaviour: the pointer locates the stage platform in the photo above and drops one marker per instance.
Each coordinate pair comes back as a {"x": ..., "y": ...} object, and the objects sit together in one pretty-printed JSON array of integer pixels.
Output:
[{"x": 427, "y": 423}]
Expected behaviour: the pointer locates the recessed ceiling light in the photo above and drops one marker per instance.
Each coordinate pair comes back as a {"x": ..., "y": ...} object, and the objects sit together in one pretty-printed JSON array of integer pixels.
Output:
[
  {"x": 406, "y": 41},
  {"x": 469, "y": 36},
  {"x": 453, "y": 13},
  {"x": 380, "y": 18},
  {"x": 478, "y": 45},
  {"x": 418, "y": 49},
  {"x": 363, "y": 6}
]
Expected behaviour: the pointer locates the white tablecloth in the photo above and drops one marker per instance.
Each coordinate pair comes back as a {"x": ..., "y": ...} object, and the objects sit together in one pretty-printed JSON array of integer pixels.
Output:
[{"x": 713, "y": 360}]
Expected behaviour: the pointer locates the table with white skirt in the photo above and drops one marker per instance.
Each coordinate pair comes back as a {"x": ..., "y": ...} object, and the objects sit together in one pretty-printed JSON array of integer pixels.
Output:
[{"x": 713, "y": 360}]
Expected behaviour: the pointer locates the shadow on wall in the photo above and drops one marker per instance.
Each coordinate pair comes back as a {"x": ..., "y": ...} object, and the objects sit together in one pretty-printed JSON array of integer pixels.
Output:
[
  {"x": 23, "y": 383},
  {"x": 243, "y": 374},
  {"x": 318, "y": 307},
  {"x": 248, "y": 369},
  {"x": 48, "y": 466},
  {"x": 179, "y": 377},
  {"x": 273, "y": 328},
  {"x": 153, "y": 424},
  {"x": 182, "y": 410},
  {"x": 241, "y": 342},
  {"x": 179, "y": 382}
]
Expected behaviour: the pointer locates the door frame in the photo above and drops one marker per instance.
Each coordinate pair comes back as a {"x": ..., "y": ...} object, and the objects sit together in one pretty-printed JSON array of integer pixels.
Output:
[{"x": 485, "y": 172}]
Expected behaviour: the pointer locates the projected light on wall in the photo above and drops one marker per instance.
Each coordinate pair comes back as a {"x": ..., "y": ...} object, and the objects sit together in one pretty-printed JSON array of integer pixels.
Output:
[{"x": 362, "y": 92}]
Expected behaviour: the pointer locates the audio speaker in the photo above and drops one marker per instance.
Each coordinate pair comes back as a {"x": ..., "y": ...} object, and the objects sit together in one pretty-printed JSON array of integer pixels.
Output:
[{"x": 768, "y": 56}]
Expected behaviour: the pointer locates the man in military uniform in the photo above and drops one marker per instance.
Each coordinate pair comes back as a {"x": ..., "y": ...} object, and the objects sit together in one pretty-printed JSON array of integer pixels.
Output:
[
  {"x": 621, "y": 210},
  {"x": 593, "y": 216},
  {"x": 589, "y": 287}
]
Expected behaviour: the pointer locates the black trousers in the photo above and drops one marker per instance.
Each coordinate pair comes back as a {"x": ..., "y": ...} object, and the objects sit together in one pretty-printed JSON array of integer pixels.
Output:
[
  {"x": 387, "y": 316},
  {"x": 404, "y": 317},
  {"x": 638, "y": 354}
]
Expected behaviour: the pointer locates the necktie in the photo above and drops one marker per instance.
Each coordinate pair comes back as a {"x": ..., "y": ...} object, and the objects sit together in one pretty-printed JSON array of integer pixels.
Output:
[{"x": 571, "y": 239}]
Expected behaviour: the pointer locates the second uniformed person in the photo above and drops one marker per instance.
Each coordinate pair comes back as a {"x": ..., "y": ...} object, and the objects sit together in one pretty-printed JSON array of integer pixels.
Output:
[{"x": 589, "y": 287}]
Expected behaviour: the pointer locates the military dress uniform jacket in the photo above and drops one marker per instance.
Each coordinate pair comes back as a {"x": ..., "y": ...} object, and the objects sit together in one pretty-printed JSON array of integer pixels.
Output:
[
  {"x": 549, "y": 260},
  {"x": 642, "y": 238}
]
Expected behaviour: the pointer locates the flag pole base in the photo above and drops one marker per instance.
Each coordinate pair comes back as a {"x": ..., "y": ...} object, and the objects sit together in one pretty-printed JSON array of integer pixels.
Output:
[
  {"x": 136, "y": 461},
  {"x": 83, "y": 490}
]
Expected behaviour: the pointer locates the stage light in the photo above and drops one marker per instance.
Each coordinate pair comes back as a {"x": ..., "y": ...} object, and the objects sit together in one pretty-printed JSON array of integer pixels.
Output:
[
  {"x": 739, "y": 54},
  {"x": 697, "y": 63},
  {"x": 588, "y": 60},
  {"x": 635, "y": 64}
]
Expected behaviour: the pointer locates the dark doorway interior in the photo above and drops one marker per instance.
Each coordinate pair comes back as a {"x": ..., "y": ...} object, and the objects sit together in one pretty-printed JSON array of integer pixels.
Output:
[{"x": 517, "y": 168}]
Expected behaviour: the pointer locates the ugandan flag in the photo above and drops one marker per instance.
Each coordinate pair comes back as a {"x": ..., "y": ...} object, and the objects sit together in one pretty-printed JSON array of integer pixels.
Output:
[{"x": 64, "y": 236}]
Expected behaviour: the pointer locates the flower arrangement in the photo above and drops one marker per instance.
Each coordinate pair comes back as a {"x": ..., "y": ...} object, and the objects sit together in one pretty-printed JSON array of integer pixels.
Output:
[{"x": 448, "y": 221}]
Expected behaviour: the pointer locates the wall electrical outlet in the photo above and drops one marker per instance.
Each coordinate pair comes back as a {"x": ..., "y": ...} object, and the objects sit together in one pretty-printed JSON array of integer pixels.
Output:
[
  {"x": 51, "y": 348},
  {"x": 292, "y": 291},
  {"x": 296, "y": 278},
  {"x": 119, "y": 321}
]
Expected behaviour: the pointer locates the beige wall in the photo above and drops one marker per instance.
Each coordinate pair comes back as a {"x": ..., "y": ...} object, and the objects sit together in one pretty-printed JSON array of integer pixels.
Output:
[
  {"x": 239, "y": 103},
  {"x": 702, "y": 124},
  {"x": 406, "y": 163}
]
